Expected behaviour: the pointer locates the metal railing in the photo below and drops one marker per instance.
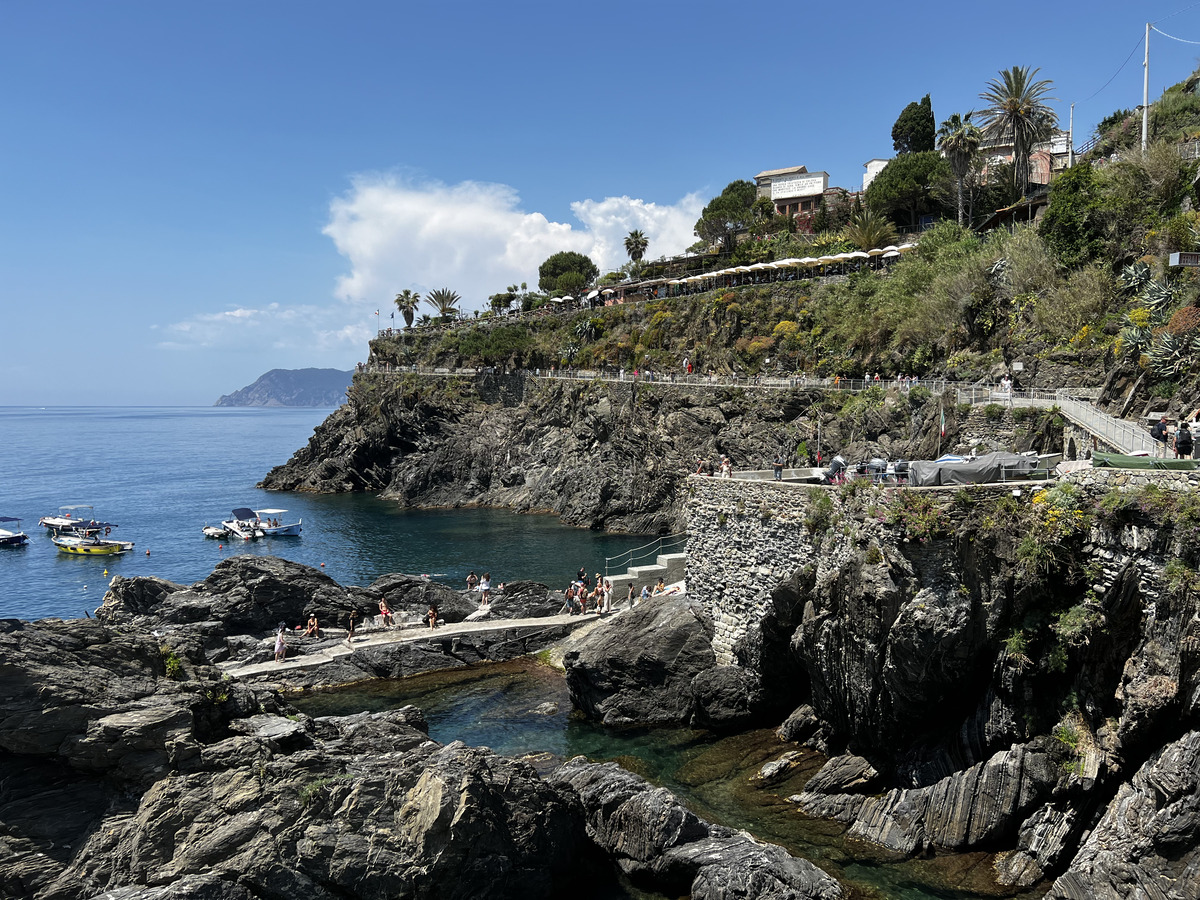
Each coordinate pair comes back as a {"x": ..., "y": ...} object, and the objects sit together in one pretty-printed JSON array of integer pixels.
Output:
[{"x": 674, "y": 543}]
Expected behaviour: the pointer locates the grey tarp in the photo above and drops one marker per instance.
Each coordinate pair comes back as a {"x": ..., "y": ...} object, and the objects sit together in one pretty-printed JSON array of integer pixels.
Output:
[{"x": 982, "y": 470}]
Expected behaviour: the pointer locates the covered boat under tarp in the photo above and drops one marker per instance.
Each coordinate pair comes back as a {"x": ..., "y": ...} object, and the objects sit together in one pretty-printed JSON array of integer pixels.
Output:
[
  {"x": 1121, "y": 461},
  {"x": 993, "y": 467}
]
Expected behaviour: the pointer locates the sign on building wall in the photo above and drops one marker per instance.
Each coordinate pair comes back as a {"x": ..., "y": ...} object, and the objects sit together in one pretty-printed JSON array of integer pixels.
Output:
[
  {"x": 798, "y": 186},
  {"x": 1185, "y": 259}
]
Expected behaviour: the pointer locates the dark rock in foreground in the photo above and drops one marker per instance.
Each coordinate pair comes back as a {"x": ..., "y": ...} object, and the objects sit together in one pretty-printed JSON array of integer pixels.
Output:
[
  {"x": 663, "y": 846},
  {"x": 638, "y": 669}
]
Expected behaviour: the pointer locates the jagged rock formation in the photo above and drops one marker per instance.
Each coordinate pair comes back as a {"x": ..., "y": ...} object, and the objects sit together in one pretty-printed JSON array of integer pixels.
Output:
[
  {"x": 640, "y": 668},
  {"x": 135, "y": 771},
  {"x": 658, "y": 842},
  {"x": 293, "y": 387},
  {"x": 987, "y": 673},
  {"x": 599, "y": 454}
]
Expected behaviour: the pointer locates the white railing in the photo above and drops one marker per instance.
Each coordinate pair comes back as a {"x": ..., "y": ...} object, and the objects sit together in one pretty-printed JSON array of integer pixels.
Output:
[{"x": 674, "y": 543}]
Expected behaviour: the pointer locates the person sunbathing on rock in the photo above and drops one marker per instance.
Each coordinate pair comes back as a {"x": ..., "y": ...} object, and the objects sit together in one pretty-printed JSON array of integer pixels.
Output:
[{"x": 312, "y": 630}]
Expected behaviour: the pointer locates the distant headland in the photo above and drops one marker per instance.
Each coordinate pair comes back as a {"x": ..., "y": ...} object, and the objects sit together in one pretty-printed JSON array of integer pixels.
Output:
[{"x": 293, "y": 387}]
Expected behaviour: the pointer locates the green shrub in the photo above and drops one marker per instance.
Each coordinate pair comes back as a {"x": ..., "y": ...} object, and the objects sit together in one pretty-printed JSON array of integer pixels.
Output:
[
  {"x": 171, "y": 662},
  {"x": 993, "y": 412},
  {"x": 819, "y": 516}
]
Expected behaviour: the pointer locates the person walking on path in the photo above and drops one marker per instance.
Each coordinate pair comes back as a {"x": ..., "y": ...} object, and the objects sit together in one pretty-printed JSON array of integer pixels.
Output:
[
  {"x": 777, "y": 465},
  {"x": 1183, "y": 442},
  {"x": 350, "y": 631},
  {"x": 280, "y": 647},
  {"x": 1158, "y": 432}
]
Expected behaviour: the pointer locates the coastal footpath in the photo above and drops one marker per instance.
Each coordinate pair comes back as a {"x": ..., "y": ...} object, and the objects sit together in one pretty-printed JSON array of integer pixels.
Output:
[{"x": 600, "y": 454}]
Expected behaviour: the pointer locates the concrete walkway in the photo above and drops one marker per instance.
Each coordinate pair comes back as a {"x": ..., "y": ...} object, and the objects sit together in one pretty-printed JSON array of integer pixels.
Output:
[{"x": 402, "y": 635}]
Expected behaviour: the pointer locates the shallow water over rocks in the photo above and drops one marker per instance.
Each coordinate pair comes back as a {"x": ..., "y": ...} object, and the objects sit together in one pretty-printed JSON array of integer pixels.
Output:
[{"x": 522, "y": 707}]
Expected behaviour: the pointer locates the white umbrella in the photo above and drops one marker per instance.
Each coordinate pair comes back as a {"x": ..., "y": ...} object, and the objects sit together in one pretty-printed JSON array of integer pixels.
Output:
[
  {"x": 826, "y": 260},
  {"x": 891, "y": 247},
  {"x": 809, "y": 261},
  {"x": 891, "y": 254},
  {"x": 858, "y": 254},
  {"x": 567, "y": 298},
  {"x": 904, "y": 248},
  {"x": 611, "y": 291},
  {"x": 742, "y": 269},
  {"x": 874, "y": 252},
  {"x": 556, "y": 299},
  {"x": 593, "y": 295}
]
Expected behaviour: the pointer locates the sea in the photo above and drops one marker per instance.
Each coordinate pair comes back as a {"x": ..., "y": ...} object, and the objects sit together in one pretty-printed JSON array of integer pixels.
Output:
[{"x": 160, "y": 474}]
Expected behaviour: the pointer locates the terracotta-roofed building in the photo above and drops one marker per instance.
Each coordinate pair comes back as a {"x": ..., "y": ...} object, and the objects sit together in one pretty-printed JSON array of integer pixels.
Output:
[{"x": 793, "y": 190}]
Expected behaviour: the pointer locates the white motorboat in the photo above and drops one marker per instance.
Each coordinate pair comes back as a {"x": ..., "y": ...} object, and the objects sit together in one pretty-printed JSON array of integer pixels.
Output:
[
  {"x": 9, "y": 537},
  {"x": 243, "y": 523},
  {"x": 78, "y": 518},
  {"x": 270, "y": 525}
]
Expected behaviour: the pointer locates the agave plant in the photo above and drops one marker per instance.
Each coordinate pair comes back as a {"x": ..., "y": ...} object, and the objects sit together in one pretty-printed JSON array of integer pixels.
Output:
[
  {"x": 1135, "y": 276},
  {"x": 1158, "y": 295},
  {"x": 1173, "y": 354}
]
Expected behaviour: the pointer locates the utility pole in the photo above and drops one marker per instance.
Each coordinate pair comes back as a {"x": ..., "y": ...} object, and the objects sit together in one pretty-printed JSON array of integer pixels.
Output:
[
  {"x": 1146, "y": 92},
  {"x": 1071, "y": 139}
]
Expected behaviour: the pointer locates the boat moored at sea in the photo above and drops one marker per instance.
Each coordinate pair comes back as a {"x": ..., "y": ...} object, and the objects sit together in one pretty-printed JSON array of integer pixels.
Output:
[
  {"x": 9, "y": 537},
  {"x": 246, "y": 523},
  {"x": 91, "y": 544},
  {"x": 77, "y": 518},
  {"x": 268, "y": 516}
]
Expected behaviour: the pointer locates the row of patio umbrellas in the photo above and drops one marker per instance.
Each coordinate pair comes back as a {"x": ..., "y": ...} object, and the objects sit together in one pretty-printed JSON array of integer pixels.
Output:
[{"x": 889, "y": 252}]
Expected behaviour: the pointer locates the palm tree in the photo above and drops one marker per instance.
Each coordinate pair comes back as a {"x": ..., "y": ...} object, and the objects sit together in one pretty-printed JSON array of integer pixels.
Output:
[
  {"x": 406, "y": 302},
  {"x": 445, "y": 301},
  {"x": 868, "y": 229},
  {"x": 1017, "y": 109},
  {"x": 959, "y": 139},
  {"x": 635, "y": 245}
]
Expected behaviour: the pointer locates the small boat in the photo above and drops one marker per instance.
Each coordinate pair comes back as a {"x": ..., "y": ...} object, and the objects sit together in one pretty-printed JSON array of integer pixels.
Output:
[
  {"x": 10, "y": 538},
  {"x": 75, "y": 519},
  {"x": 243, "y": 523},
  {"x": 248, "y": 523},
  {"x": 268, "y": 516},
  {"x": 90, "y": 544}
]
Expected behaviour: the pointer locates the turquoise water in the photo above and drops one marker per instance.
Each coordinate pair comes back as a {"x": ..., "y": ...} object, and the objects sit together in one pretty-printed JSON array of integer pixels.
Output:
[
  {"x": 163, "y": 473},
  {"x": 502, "y": 706}
]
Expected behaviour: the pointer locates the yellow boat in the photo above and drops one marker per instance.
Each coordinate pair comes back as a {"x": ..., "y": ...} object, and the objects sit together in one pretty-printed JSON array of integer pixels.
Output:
[{"x": 93, "y": 545}]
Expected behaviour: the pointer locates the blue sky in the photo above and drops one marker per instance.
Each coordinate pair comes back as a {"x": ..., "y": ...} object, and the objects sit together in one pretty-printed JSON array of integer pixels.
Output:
[{"x": 194, "y": 193}]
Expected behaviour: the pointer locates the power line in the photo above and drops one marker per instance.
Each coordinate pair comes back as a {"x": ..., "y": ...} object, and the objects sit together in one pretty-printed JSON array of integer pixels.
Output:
[
  {"x": 1172, "y": 37},
  {"x": 1137, "y": 44},
  {"x": 1174, "y": 14}
]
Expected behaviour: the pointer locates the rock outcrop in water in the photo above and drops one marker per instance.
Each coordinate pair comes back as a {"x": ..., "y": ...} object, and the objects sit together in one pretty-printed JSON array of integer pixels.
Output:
[
  {"x": 598, "y": 454},
  {"x": 134, "y": 770}
]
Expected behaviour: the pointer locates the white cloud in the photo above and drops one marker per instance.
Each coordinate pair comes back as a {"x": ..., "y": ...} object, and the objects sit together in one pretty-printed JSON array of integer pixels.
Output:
[
  {"x": 310, "y": 330},
  {"x": 474, "y": 238}
]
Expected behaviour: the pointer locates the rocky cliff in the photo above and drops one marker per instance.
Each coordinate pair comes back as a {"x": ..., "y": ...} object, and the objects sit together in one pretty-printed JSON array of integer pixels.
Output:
[
  {"x": 599, "y": 454},
  {"x": 134, "y": 770},
  {"x": 987, "y": 672},
  {"x": 293, "y": 387}
]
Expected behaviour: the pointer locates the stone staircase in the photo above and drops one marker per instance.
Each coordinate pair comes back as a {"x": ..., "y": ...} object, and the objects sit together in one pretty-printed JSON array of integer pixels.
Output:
[{"x": 670, "y": 567}]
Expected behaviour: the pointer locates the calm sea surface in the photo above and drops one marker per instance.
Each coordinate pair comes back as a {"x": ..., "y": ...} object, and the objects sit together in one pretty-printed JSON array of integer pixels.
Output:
[{"x": 162, "y": 474}]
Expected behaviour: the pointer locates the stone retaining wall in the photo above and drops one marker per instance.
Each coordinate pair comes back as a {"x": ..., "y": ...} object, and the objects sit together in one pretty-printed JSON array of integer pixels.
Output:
[
  {"x": 743, "y": 539},
  {"x": 1104, "y": 479}
]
